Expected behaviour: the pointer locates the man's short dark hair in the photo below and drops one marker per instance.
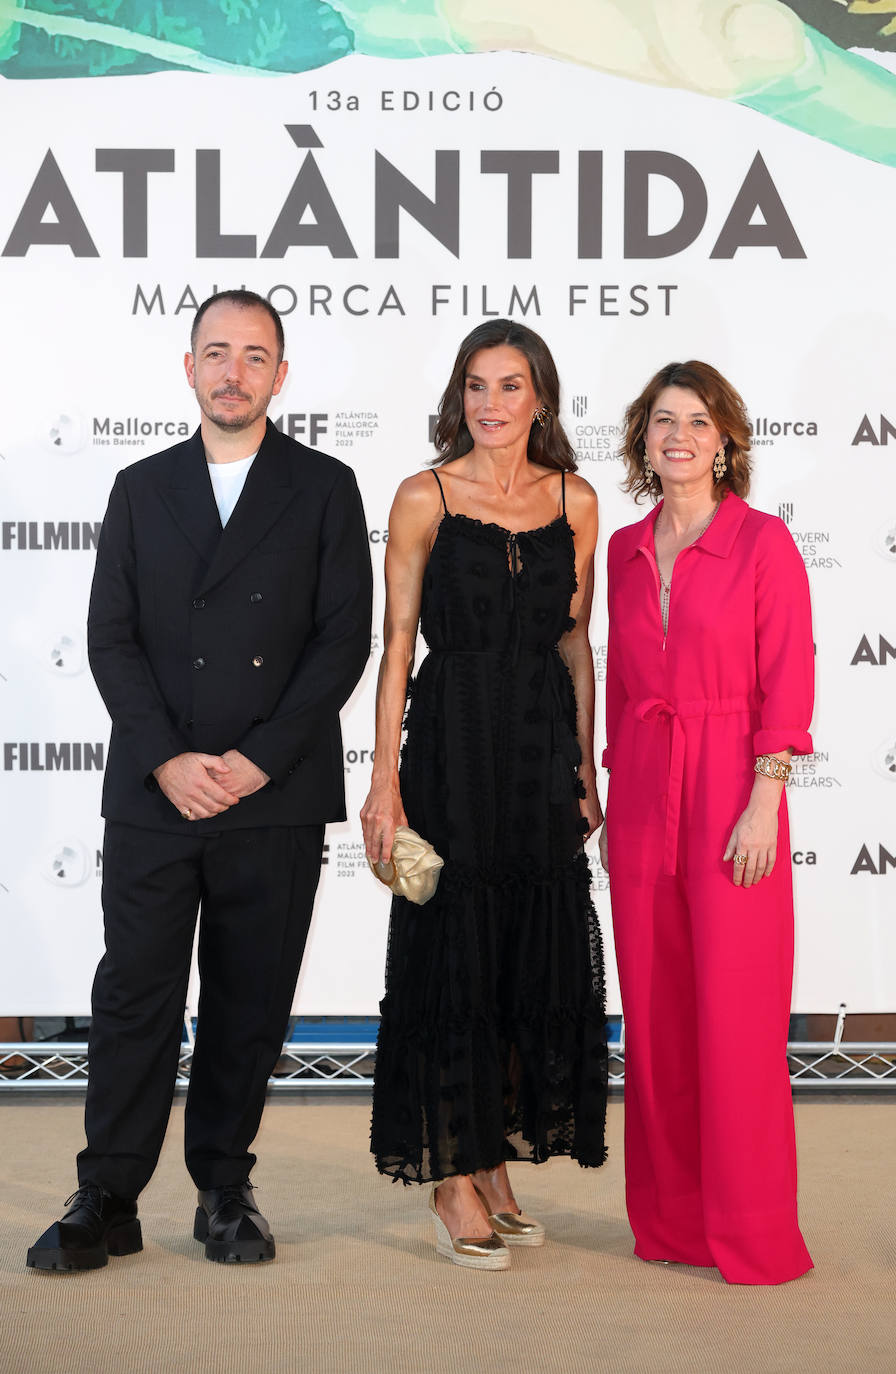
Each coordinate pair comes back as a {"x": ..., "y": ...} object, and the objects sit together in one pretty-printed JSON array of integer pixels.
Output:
[{"x": 246, "y": 300}]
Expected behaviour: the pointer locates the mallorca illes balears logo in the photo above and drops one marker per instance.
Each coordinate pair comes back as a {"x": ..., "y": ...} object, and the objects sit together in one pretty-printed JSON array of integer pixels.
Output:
[
  {"x": 138, "y": 431},
  {"x": 68, "y": 863},
  {"x": 884, "y": 541},
  {"x": 884, "y": 758},
  {"x": 815, "y": 544},
  {"x": 767, "y": 430},
  {"x": 64, "y": 655},
  {"x": 66, "y": 432}
]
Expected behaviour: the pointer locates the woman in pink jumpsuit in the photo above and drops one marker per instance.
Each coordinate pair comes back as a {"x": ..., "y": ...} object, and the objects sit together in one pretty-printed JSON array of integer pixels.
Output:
[{"x": 710, "y": 665}]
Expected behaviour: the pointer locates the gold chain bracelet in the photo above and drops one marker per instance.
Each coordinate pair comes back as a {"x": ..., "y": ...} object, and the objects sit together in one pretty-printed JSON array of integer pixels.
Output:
[{"x": 771, "y": 767}]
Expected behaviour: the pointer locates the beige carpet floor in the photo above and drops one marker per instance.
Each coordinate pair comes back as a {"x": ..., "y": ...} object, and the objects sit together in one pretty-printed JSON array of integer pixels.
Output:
[{"x": 357, "y": 1287}]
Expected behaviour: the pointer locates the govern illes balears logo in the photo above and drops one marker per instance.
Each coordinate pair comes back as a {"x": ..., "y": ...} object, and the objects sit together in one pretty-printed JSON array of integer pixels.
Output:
[{"x": 815, "y": 543}]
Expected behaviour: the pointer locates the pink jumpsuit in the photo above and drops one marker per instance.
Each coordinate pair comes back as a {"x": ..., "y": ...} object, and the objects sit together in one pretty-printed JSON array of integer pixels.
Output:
[{"x": 705, "y": 967}]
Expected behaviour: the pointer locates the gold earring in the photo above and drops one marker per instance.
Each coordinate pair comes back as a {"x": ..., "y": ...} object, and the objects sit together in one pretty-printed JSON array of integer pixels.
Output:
[
  {"x": 719, "y": 464},
  {"x": 648, "y": 470},
  {"x": 541, "y": 416}
]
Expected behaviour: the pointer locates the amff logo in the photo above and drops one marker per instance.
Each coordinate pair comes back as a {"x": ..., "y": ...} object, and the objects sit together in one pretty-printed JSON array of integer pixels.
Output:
[
  {"x": 308, "y": 425},
  {"x": 865, "y": 652},
  {"x": 876, "y": 435},
  {"x": 865, "y": 861}
]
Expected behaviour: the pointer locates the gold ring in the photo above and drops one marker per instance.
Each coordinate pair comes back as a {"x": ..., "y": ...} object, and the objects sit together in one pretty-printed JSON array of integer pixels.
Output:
[
  {"x": 187, "y": 815},
  {"x": 740, "y": 859}
]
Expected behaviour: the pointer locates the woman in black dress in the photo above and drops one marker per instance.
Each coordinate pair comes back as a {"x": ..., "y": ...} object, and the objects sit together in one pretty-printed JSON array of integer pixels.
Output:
[{"x": 492, "y": 1044}]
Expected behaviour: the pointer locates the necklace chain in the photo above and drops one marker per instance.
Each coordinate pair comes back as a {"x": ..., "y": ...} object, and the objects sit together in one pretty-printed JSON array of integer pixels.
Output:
[{"x": 666, "y": 587}]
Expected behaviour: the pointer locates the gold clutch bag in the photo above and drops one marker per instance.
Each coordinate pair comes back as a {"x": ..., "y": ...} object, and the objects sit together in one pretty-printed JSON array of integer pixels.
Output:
[{"x": 413, "y": 870}]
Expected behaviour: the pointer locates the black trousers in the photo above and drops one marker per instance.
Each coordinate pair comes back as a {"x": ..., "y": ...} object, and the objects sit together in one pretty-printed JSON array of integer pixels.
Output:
[{"x": 254, "y": 891}]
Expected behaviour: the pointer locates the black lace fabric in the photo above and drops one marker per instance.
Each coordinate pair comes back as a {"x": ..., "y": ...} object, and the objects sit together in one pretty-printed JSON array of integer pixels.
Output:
[{"x": 492, "y": 1043}]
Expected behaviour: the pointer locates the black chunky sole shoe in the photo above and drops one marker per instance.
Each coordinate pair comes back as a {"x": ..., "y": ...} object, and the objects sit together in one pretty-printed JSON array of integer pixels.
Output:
[
  {"x": 97, "y": 1225},
  {"x": 124, "y": 1240},
  {"x": 232, "y": 1229}
]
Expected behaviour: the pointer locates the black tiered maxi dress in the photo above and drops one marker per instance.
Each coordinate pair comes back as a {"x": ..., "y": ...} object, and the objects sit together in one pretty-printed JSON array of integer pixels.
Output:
[{"x": 492, "y": 1042}]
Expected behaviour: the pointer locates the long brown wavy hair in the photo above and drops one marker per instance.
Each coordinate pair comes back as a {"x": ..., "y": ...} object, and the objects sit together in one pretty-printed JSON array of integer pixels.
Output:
[
  {"x": 548, "y": 444},
  {"x": 727, "y": 412}
]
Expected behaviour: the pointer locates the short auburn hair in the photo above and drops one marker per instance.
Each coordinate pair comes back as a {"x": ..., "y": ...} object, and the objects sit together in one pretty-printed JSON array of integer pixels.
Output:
[{"x": 727, "y": 412}]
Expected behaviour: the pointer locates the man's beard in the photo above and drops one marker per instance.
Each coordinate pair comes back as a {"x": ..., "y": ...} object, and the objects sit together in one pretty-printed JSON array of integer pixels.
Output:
[{"x": 232, "y": 420}]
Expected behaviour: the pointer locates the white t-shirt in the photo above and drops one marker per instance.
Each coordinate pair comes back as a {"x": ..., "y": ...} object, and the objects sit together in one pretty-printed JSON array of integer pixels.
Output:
[{"x": 227, "y": 483}]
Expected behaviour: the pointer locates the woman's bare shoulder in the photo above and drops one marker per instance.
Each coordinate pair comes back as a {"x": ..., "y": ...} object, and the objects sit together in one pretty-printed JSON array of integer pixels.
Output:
[
  {"x": 417, "y": 505},
  {"x": 580, "y": 494}
]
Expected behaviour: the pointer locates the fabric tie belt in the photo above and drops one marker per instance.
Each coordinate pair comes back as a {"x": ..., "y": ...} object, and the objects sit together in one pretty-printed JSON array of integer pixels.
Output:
[{"x": 651, "y": 709}]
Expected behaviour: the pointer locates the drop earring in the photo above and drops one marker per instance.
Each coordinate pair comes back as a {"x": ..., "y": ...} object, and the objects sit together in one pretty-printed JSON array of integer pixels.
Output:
[{"x": 719, "y": 464}]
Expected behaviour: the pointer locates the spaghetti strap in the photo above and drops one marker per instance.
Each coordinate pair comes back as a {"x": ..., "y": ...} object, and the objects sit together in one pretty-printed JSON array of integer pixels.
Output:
[
  {"x": 562, "y": 488},
  {"x": 442, "y": 491}
]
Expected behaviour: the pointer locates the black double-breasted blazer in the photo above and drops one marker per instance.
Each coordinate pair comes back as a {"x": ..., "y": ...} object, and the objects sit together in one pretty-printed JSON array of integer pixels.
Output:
[{"x": 249, "y": 637}]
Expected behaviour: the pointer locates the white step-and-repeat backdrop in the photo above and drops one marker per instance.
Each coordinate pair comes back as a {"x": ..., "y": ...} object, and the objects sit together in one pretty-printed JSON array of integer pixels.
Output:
[{"x": 634, "y": 190}]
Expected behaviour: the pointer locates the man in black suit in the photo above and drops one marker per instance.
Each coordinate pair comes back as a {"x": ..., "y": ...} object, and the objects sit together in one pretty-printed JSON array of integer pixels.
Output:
[{"x": 229, "y": 621}]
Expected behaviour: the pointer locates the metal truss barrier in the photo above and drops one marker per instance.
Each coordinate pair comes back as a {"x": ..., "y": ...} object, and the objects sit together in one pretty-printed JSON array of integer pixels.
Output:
[{"x": 53, "y": 1066}]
